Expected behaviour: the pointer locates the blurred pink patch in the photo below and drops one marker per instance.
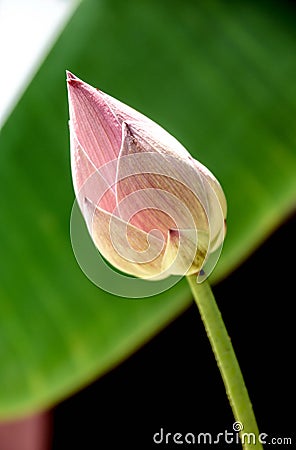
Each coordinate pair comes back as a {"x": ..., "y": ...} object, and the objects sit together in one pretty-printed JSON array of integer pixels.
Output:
[{"x": 29, "y": 433}]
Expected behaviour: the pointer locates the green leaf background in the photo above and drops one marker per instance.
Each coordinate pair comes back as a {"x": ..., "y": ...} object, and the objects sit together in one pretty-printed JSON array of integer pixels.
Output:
[{"x": 218, "y": 75}]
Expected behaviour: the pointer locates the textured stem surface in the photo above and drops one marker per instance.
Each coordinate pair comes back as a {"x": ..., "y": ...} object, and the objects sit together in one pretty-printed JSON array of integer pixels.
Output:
[{"x": 227, "y": 362}]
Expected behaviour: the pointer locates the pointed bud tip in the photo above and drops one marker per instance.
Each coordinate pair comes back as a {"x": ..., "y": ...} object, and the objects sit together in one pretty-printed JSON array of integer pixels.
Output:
[
  {"x": 74, "y": 81},
  {"x": 71, "y": 78}
]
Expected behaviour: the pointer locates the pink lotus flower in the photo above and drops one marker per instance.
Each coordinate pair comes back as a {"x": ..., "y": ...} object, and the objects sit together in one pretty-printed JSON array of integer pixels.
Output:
[{"x": 151, "y": 209}]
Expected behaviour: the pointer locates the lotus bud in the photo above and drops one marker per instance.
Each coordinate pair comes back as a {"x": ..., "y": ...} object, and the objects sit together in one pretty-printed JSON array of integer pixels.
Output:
[{"x": 150, "y": 208}]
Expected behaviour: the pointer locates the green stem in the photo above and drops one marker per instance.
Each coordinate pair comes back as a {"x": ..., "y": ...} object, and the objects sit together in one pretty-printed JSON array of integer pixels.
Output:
[{"x": 227, "y": 362}]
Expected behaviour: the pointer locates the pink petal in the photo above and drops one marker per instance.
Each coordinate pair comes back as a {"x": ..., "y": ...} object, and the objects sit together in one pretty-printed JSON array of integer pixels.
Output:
[
  {"x": 156, "y": 189},
  {"x": 89, "y": 182},
  {"x": 93, "y": 123},
  {"x": 146, "y": 128}
]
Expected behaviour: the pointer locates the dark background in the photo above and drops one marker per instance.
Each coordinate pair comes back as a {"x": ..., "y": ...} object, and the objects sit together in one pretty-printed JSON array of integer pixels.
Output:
[{"x": 173, "y": 381}]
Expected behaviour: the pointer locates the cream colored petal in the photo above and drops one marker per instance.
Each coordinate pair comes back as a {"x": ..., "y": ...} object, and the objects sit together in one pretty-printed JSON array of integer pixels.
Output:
[
  {"x": 216, "y": 207},
  {"x": 214, "y": 183},
  {"x": 185, "y": 252},
  {"x": 123, "y": 245}
]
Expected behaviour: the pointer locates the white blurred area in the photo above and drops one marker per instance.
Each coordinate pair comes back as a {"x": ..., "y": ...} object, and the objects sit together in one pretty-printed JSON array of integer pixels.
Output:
[{"x": 28, "y": 29}]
